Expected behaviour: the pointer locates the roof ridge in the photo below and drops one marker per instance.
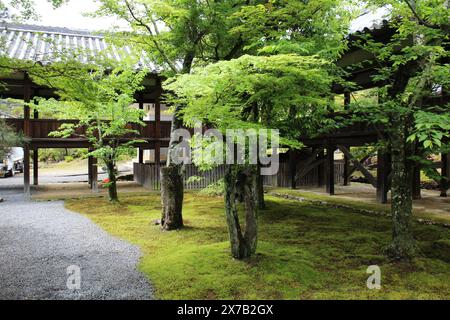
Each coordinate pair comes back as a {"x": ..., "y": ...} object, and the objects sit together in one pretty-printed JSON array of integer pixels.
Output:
[{"x": 49, "y": 29}]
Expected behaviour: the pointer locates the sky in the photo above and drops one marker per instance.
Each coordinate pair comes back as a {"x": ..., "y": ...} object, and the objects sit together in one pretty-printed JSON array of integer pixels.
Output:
[{"x": 70, "y": 15}]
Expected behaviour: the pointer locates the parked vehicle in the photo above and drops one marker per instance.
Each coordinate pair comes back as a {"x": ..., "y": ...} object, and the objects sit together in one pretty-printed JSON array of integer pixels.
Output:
[{"x": 12, "y": 164}]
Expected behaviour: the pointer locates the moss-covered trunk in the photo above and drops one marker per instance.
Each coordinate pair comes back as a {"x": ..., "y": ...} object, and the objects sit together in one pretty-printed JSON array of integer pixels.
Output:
[
  {"x": 172, "y": 183},
  {"x": 112, "y": 184},
  {"x": 172, "y": 190},
  {"x": 403, "y": 245},
  {"x": 243, "y": 245}
]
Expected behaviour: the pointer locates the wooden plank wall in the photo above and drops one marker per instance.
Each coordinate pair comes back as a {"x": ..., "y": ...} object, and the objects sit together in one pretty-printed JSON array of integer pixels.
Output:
[{"x": 147, "y": 175}]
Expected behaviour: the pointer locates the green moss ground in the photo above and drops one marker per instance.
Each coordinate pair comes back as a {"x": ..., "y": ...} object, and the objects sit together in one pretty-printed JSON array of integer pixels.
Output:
[{"x": 304, "y": 252}]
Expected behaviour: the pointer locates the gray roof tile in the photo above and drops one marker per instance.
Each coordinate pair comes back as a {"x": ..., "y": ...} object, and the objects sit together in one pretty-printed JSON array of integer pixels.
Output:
[{"x": 48, "y": 44}]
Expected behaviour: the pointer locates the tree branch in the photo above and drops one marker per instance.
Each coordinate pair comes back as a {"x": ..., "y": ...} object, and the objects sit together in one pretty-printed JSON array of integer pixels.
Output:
[
  {"x": 419, "y": 19},
  {"x": 150, "y": 31}
]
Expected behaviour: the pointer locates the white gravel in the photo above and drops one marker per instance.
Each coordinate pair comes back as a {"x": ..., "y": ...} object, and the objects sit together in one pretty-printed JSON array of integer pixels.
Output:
[{"x": 39, "y": 240}]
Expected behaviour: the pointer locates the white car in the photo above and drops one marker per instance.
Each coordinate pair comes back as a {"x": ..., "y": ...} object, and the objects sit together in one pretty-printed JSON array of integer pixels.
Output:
[{"x": 12, "y": 164}]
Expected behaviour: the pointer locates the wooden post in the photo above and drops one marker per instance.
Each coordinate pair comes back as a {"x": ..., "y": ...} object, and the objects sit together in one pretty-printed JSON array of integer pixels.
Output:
[
  {"x": 157, "y": 152},
  {"x": 330, "y": 170},
  {"x": 416, "y": 183},
  {"x": 157, "y": 130},
  {"x": 90, "y": 171},
  {"x": 383, "y": 170},
  {"x": 35, "y": 167},
  {"x": 35, "y": 151},
  {"x": 26, "y": 169},
  {"x": 445, "y": 173},
  {"x": 27, "y": 133},
  {"x": 292, "y": 168},
  {"x": 321, "y": 170},
  {"x": 346, "y": 170},
  {"x": 347, "y": 96},
  {"x": 141, "y": 155},
  {"x": 140, "y": 151},
  {"x": 346, "y": 99},
  {"x": 94, "y": 173}
]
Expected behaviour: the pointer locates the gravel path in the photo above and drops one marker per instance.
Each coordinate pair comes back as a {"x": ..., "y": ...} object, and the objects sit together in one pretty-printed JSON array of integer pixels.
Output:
[{"x": 40, "y": 240}]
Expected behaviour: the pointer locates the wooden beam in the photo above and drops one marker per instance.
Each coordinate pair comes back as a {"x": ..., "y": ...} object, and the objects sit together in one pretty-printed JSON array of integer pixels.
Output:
[
  {"x": 353, "y": 168},
  {"x": 359, "y": 166},
  {"x": 309, "y": 164}
]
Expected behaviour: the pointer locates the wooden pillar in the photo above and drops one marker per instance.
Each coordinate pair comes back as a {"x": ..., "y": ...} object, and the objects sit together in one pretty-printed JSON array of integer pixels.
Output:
[
  {"x": 94, "y": 175},
  {"x": 292, "y": 168},
  {"x": 416, "y": 183},
  {"x": 330, "y": 169},
  {"x": 90, "y": 171},
  {"x": 35, "y": 167},
  {"x": 347, "y": 96},
  {"x": 140, "y": 155},
  {"x": 157, "y": 152},
  {"x": 383, "y": 170},
  {"x": 346, "y": 99},
  {"x": 35, "y": 151},
  {"x": 321, "y": 170},
  {"x": 157, "y": 130},
  {"x": 140, "y": 150},
  {"x": 27, "y": 133},
  {"x": 346, "y": 177},
  {"x": 445, "y": 173},
  {"x": 26, "y": 168}
]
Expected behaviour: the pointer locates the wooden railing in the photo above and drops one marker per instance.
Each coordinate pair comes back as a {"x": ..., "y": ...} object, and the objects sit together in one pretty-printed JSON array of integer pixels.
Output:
[{"x": 41, "y": 128}]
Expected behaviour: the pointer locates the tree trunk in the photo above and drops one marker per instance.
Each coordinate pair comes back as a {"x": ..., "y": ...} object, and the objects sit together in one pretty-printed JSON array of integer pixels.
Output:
[
  {"x": 242, "y": 245},
  {"x": 112, "y": 185},
  {"x": 172, "y": 183},
  {"x": 403, "y": 245},
  {"x": 172, "y": 189},
  {"x": 260, "y": 189}
]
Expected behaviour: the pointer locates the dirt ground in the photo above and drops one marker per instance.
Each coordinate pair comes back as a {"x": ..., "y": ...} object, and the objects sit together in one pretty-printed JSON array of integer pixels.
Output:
[
  {"x": 431, "y": 203},
  {"x": 60, "y": 191}
]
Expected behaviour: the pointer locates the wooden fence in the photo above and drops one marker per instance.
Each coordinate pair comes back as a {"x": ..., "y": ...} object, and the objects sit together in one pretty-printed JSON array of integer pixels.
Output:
[{"x": 147, "y": 175}]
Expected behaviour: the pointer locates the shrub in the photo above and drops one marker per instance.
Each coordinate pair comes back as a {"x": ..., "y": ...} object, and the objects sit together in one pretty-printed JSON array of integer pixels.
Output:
[{"x": 214, "y": 189}]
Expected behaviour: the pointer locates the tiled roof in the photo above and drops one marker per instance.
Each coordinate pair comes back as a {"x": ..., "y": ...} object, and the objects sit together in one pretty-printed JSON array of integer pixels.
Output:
[
  {"x": 370, "y": 19},
  {"x": 5, "y": 115},
  {"x": 49, "y": 44}
]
